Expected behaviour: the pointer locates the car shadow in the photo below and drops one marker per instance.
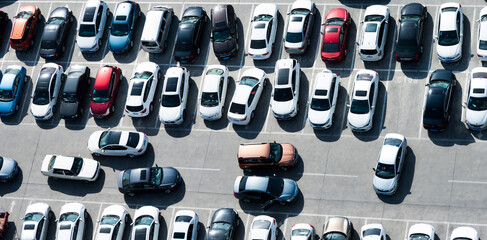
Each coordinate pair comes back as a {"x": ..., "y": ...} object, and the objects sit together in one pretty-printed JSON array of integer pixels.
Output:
[
  {"x": 13, "y": 185},
  {"x": 201, "y": 232},
  {"x": 291, "y": 209},
  {"x": 90, "y": 230},
  {"x": 77, "y": 188},
  {"x": 223, "y": 121},
  {"x": 123, "y": 163},
  {"x": 163, "y": 231},
  {"x": 307, "y": 59},
  {"x": 160, "y": 199},
  {"x": 12, "y": 230},
  {"x": 4, "y": 43}
]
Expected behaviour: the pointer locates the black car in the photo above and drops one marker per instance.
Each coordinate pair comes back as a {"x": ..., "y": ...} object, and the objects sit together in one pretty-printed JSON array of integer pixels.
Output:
[
  {"x": 223, "y": 224},
  {"x": 3, "y": 21},
  {"x": 224, "y": 32},
  {"x": 438, "y": 100},
  {"x": 75, "y": 87},
  {"x": 56, "y": 31},
  {"x": 148, "y": 179},
  {"x": 190, "y": 30},
  {"x": 408, "y": 45}
]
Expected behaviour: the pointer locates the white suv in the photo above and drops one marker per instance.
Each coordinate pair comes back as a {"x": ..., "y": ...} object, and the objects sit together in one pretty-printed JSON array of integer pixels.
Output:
[
  {"x": 476, "y": 104},
  {"x": 449, "y": 40},
  {"x": 363, "y": 101},
  {"x": 323, "y": 100},
  {"x": 142, "y": 88},
  {"x": 286, "y": 89},
  {"x": 92, "y": 26},
  {"x": 174, "y": 96},
  {"x": 374, "y": 33}
]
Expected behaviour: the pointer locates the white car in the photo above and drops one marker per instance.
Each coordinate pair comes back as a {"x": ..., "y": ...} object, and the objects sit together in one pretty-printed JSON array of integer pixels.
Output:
[
  {"x": 462, "y": 233},
  {"x": 112, "y": 223},
  {"x": 174, "y": 96},
  {"x": 476, "y": 104},
  {"x": 71, "y": 222},
  {"x": 146, "y": 224},
  {"x": 299, "y": 27},
  {"x": 482, "y": 35},
  {"x": 421, "y": 231},
  {"x": 142, "y": 88},
  {"x": 285, "y": 95},
  {"x": 263, "y": 227},
  {"x": 363, "y": 101},
  {"x": 36, "y": 221},
  {"x": 449, "y": 38},
  {"x": 92, "y": 26},
  {"x": 47, "y": 91},
  {"x": 117, "y": 143},
  {"x": 390, "y": 164},
  {"x": 373, "y": 231},
  {"x": 374, "y": 33},
  {"x": 71, "y": 168},
  {"x": 246, "y": 96},
  {"x": 263, "y": 33},
  {"x": 213, "y": 93},
  {"x": 302, "y": 231},
  {"x": 185, "y": 225},
  {"x": 323, "y": 100}
]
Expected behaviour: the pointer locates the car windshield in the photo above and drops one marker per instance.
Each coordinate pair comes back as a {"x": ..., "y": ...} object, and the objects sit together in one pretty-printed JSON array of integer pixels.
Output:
[
  {"x": 477, "y": 104},
  {"x": 24, "y": 14},
  {"x": 393, "y": 142},
  {"x": 410, "y": 17},
  {"x": 36, "y": 217},
  {"x": 262, "y": 17},
  {"x": 257, "y": 44},
  {"x": 6, "y": 95},
  {"x": 418, "y": 236},
  {"x": 283, "y": 94},
  {"x": 385, "y": 171},
  {"x": 300, "y": 232},
  {"x": 87, "y": 30},
  {"x": 301, "y": 11},
  {"x": 209, "y": 99},
  {"x": 220, "y": 225},
  {"x": 144, "y": 220},
  {"x": 214, "y": 71},
  {"x": 293, "y": 37},
  {"x": 359, "y": 106},
  {"x": 11, "y": 71},
  {"x": 237, "y": 108},
  {"x": 331, "y": 47},
  {"x": 334, "y": 22},
  {"x": 41, "y": 97},
  {"x": 156, "y": 176},
  {"x": 406, "y": 46},
  {"x": 100, "y": 96},
  {"x": 448, "y": 38},
  {"x": 70, "y": 216},
  {"x": 371, "y": 27},
  {"x": 249, "y": 81},
  {"x": 373, "y": 18},
  {"x": 143, "y": 75},
  {"x": 70, "y": 97},
  {"x": 120, "y": 29},
  {"x": 55, "y": 20},
  {"x": 190, "y": 19},
  {"x": 77, "y": 165},
  {"x": 126, "y": 178},
  {"x": 334, "y": 236},
  {"x": 109, "y": 220},
  {"x": 371, "y": 232},
  {"x": 320, "y": 104},
  {"x": 275, "y": 186},
  {"x": 261, "y": 224},
  {"x": 221, "y": 36},
  {"x": 170, "y": 100},
  {"x": 275, "y": 152}
]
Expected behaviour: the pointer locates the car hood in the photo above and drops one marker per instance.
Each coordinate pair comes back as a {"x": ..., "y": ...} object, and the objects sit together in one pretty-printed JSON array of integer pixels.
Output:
[
  {"x": 282, "y": 107},
  {"x": 169, "y": 114},
  {"x": 6, "y": 106},
  {"x": 89, "y": 169},
  {"x": 98, "y": 108},
  {"x": 183, "y": 54},
  {"x": 169, "y": 176},
  {"x": 421, "y": 228},
  {"x": 18, "y": 28},
  {"x": 224, "y": 47},
  {"x": 383, "y": 184},
  {"x": 358, "y": 120},
  {"x": 476, "y": 117},
  {"x": 289, "y": 190},
  {"x": 39, "y": 110},
  {"x": 318, "y": 117},
  {"x": 68, "y": 109},
  {"x": 210, "y": 111},
  {"x": 216, "y": 234},
  {"x": 8, "y": 166},
  {"x": 86, "y": 42},
  {"x": 371, "y": 237},
  {"x": 118, "y": 43},
  {"x": 448, "y": 51}
]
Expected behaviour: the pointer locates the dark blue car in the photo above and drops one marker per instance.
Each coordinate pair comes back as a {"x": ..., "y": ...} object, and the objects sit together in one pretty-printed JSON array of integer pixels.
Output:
[
  {"x": 11, "y": 87},
  {"x": 122, "y": 30}
]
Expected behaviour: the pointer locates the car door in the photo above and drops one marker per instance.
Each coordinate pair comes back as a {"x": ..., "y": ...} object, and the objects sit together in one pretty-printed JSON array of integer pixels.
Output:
[
  {"x": 52, "y": 89},
  {"x": 220, "y": 92},
  {"x": 294, "y": 85},
  {"x": 185, "y": 87},
  {"x": 447, "y": 101},
  {"x": 148, "y": 89},
  {"x": 16, "y": 89},
  {"x": 460, "y": 24},
  {"x": 99, "y": 22}
]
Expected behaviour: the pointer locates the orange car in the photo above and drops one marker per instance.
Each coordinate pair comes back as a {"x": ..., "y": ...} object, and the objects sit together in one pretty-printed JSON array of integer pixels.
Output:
[
  {"x": 24, "y": 27},
  {"x": 283, "y": 155}
]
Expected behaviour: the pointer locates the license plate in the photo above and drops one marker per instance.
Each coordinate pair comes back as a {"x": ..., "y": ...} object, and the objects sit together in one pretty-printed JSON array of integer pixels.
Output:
[
  {"x": 407, "y": 59},
  {"x": 331, "y": 59},
  {"x": 135, "y": 114},
  {"x": 226, "y": 58},
  {"x": 369, "y": 56},
  {"x": 476, "y": 129}
]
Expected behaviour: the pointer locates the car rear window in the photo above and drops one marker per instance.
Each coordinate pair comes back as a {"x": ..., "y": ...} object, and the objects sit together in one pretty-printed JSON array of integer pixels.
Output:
[
  {"x": 371, "y": 27},
  {"x": 331, "y": 47},
  {"x": 257, "y": 44},
  {"x": 237, "y": 108},
  {"x": 105, "y": 230},
  {"x": 294, "y": 37},
  {"x": 368, "y": 51},
  {"x": 372, "y": 231},
  {"x": 140, "y": 234},
  {"x": 261, "y": 224},
  {"x": 29, "y": 226},
  {"x": 178, "y": 235},
  {"x": 133, "y": 139},
  {"x": 183, "y": 218}
]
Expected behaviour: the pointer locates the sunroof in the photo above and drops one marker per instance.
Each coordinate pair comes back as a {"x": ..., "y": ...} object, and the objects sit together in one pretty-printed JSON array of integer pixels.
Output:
[
  {"x": 361, "y": 93},
  {"x": 296, "y": 19},
  {"x": 89, "y": 14},
  {"x": 172, "y": 84},
  {"x": 321, "y": 92},
  {"x": 283, "y": 77},
  {"x": 332, "y": 30}
]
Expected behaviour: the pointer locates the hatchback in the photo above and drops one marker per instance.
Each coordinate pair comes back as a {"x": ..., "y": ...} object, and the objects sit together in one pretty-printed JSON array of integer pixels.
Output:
[
  {"x": 335, "y": 35},
  {"x": 92, "y": 26},
  {"x": 105, "y": 91},
  {"x": 272, "y": 154},
  {"x": 374, "y": 33}
]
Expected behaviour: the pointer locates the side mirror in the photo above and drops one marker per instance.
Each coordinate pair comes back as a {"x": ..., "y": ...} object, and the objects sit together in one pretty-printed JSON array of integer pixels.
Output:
[
  {"x": 21, "y": 218},
  {"x": 57, "y": 220},
  {"x": 361, "y": 22},
  {"x": 465, "y": 104},
  {"x": 478, "y": 20},
  {"x": 348, "y": 104},
  {"x": 427, "y": 84},
  {"x": 373, "y": 169},
  {"x": 267, "y": 204},
  {"x": 157, "y": 165}
]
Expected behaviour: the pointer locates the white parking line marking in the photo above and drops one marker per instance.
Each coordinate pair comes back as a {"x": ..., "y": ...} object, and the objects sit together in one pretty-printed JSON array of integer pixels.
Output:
[
  {"x": 169, "y": 229},
  {"x": 306, "y": 107},
  {"x": 11, "y": 207},
  {"x": 198, "y": 169},
  {"x": 466, "y": 182},
  {"x": 285, "y": 227},
  {"x": 407, "y": 230},
  {"x": 421, "y": 117},
  {"x": 464, "y": 96},
  {"x": 98, "y": 217},
  {"x": 70, "y": 56},
  {"x": 433, "y": 38},
  {"x": 447, "y": 230}
]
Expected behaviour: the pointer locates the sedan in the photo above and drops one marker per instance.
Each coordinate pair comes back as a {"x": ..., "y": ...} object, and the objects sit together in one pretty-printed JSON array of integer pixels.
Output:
[
  {"x": 24, "y": 27},
  {"x": 390, "y": 164},
  {"x": 142, "y": 89},
  {"x": 223, "y": 224},
  {"x": 263, "y": 227},
  {"x": 92, "y": 26},
  {"x": 301, "y": 19},
  {"x": 8, "y": 169},
  {"x": 117, "y": 143},
  {"x": 136, "y": 180},
  {"x": 71, "y": 222},
  {"x": 285, "y": 96},
  {"x": 122, "y": 30},
  {"x": 112, "y": 224},
  {"x": 374, "y": 33},
  {"x": 449, "y": 38},
  {"x": 74, "y": 90},
  {"x": 224, "y": 31},
  {"x": 263, "y": 33},
  {"x": 439, "y": 97},
  {"x": 71, "y": 168},
  {"x": 334, "y": 47},
  {"x": 476, "y": 104},
  {"x": 373, "y": 231},
  {"x": 188, "y": 39},
  {"x": 105, "y": 91},
  {"x": 55, "y": 34},
  {"x": 11, "y": 87},
  {"x": 482, "y": 35},
  {"x": 408, "y": 44},
  {"x": 324, "y": 97},
  {"x": 462, "y": 233},
  {"x": 36, "y": 221},
  {"x": 46, "y": 92},
  {"x": 174, "y": 96},
  {"x": 146, "y": 224},
  {"x": 302, "y": 231},
  {"x": 421, "y": 231},
  {"x": 185, "y": 225},
  {"x": 363, "y": 101},
  {"x": 214, "y": 92},
  {"x": 337, "y": 228}
]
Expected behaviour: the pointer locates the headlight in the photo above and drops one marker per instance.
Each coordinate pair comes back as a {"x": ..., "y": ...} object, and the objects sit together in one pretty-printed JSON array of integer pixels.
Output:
[
  {"x": 48, "y": 111},
  {"x": 107, "y": 112}
]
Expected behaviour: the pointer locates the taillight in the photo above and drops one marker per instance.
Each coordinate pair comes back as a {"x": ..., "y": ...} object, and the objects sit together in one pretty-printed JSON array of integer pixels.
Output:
[
  {"x": 265, "y": 53},
  {"x": 416, "y": 56},
  {"x": 126, "y": 110},
  {"x": 191, "y": 57},
  {"x": 442, "y": 125},
  {"x": 478, "y": 55},
  {"x": 251, "y": 54},
  {"x": 143, "y": 111},
  {"x": 119, "y": 189},
  {"x": 312, "y": 226},
  {"x": 274, "y": 221},
  {"x": 301, "y": 48},
  {"x": 140, "y": 150},
  {"x": 380, "y": 52},
  {"x": 160, "y": 47},
  {"x": 294, "y": 225},
  {"x": 245, "y": 118},
  {"x": 235, "y": 194},
  {"x": 286, "y": 47}
]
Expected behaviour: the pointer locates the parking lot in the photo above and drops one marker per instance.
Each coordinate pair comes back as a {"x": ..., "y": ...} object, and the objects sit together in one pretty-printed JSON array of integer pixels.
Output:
[{"x": 444, "y": 181}]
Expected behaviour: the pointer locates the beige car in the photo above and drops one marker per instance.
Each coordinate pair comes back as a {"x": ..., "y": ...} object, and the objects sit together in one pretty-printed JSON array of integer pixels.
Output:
[
  {"x": 338, "y": 228},
  {"x": 283, "y": 155}
]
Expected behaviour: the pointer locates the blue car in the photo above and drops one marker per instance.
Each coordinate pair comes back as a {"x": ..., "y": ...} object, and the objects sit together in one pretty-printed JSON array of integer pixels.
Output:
[
  {"x": 122, "y": 30},
  {"x": 8, "y": 169},
  {"x": 11, "y": 87}
]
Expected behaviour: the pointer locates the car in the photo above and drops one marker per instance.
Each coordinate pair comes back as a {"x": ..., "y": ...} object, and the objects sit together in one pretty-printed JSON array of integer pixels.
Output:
[
  {"x": 337, "y": 228},
  {"x": 36, "y": 221},
  {"x": 263, "y": 227},
  {"x": 390, "y": 164},
  {"x": 439, "y": 97},
  {"x": 104, "y": 92},
  {"x": 74, "y": 90},
  {"x": 224, "y": 223},
  {"x": 373, "y": 231},
  {"x": 112, "y": 223},
  {"x": 3, "y": 223},
  {"x": 302, "y": 231},
  {"x": 409, "y": 45},
  {"x": 224, "y": 31},
  {"x": 482, "y": 35},
  {"x": 214, "y": 92},
  {"x": 8, "y": 169},
  {"x": 72, "y": 221},
  {"x": 265, "y": 189},
  {"x": 285, "y": 95},
  {"x": 174, "y": 96},
  {"x": 139, "y": 180},
  {"x": 156, "y": 29},
  {"x": 55, "y": 34},
  {"x": 46, "y": 93},
  {"x": 117, "y": 143},
  {"x": 299, "y": 27},
  {"x": 374, "y": 33},
  {"x": 142, "y": 89},
  {"x": 449, "y": 38},
  {"x": 264, "y": 24},
  {"x": 324, "y": 98},
  {"x": 122, "y": 30},
  {"x": 188, "y": 39},
  {"x": 146, "y": 223},
  {"x": 92, "y": 26},
  {"x": 421, "y": 231},
  {"x": 3, "y": 21},
  {"x": 24, "y": 27},
  {"x": 185, "y": 225},
  {"x": 464, "y": 233},
  {"x": 71, "y": 168},
  {"x": 335, "y": 35},
  {"x": 246, "y": 96},
  {"x": 476, "y": 104},
  {"x": 363, "y": 101},
  {"x": 273, "y": 154},
  {"x": 12, "y": 85}
]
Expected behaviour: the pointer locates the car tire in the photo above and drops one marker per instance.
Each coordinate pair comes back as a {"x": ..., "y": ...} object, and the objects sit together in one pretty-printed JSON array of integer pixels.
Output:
[
  {"x": 167, "y": 191},
  {"x": 151, "y": 107},
  {"x": 126, "y": 219},
  {"x": 130, "y": 155},
  {"x": 31, "y": 43},
  {"x": 265, "y": 82},
  {"x": 237, "y": 224},
  {"x": 54, "y": 109},
  {"x": 248, "y": 169},
  {"x": 81, "y": 110},
  {"x": 96, "y": 154},
  {"x": 159, "y": 75},
  {"x": 16, "y": 107},
  {"x": 99, "y": 42},
  {"x": 63, "y": 49},
  {"x": 198, "y": 51},
  {"x": 131, "y": 194},
  {"x": 284, "y": 168}
]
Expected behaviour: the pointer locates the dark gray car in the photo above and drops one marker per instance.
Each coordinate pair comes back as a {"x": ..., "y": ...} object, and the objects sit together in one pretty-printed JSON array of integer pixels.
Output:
[
  {"x": 224, "y": 32},
  {"x": 8, "y": 169},
  {"x": 223, "y": 224},
  {"x": 56, "y": 30},
  {"x": 148, "y": 179},
  {"x": 75, "y": 88},
  {"x": 265, "y": 189}
]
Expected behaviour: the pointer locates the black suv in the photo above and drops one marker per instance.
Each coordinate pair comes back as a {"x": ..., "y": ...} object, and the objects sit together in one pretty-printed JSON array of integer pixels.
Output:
[
  {"x": 224, "y": 32},
  {"x": 439, "y": 98},
  {"x": 408, "y": 46},
  {"x": 75, "y": 88}
]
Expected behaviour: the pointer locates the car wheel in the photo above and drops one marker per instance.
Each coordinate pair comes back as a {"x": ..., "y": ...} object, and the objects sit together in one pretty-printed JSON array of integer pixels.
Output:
[
  {"x": 130, "y": 155},
  {"x": 252, "y": 115},
  {"x": 31, "y": 42},
  {"x": 285, "y": 168},
  {"x": 265, "y": 81},
  {"x": 151, "y": 107},
  {"x": 71, "y": 19},
  {"x": 126, "y": 219},
  {"x": 17, "y": 107},
  {"x": 63, "y": 49},
  {"x": 99, "y": 42},
  {"x": 81, "y": 110},
  {"x": 112, "y": 109},
  {"x": 131, "y": 194},
  {"x": 248, "y": 169},
  {"x": 50, "y": 215},
  {"x": 198, "y": 51},
  {"x": 54, "y": 109}
]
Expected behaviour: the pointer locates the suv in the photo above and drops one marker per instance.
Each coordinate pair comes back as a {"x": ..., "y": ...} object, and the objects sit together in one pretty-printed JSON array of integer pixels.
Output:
[
  {"x": 274, "y": 154},
  {"x": 224, "y": 32}
]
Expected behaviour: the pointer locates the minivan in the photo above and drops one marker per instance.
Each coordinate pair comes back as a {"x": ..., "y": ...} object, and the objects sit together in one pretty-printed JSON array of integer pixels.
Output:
[{"x": 156, "y": 29}]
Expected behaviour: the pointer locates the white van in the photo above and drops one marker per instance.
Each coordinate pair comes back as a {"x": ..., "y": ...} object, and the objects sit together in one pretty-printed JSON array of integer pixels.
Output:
[{"x": 156, "y": 29}]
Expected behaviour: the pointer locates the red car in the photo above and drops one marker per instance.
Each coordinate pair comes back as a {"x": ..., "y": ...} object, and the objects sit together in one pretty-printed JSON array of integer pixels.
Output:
[
  {"x": 24, "y": 27},
  {"x": 105, "y": 91},
  {"x": 335, "y": 35},
  {"x": 3, "y": 224}
]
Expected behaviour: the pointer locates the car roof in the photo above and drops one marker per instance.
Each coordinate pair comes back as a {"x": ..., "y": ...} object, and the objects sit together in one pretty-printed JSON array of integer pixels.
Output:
[
  {"x": 483, "y": 31},
  {"x": 376, "y": 10},
  {"x": 296, "y": 23},
  {"x": 123, "y": 9},
  {"x": 259, "y": 30},
  {"x": 254, "y": 150},
  {"x": 139, "y": 175},
  {"x": 242, "y": 93},
  {"x": 90, "y": 11},
  {"x": 63, "y": 162},
  {"x": 254, "y": 183},
  {"x": 151, "y": 25},
  {"x": 72, "y": 82},
  {"x": 478, "y": 83},
  {"x": 407, "y": 31},
  {"x": 448, "y": 21},
  {"x": 388, "y": 154},
  {"x": 370, "y": 38},
  {"x": 435, "y": 98},
  {"x": 332, "y": 34},
  {"x": 219, "y": 14},
  {"x": 103, "y": 76},
  {"x": 323, "y": 82},
  {"x": 51, "y": 31}
]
